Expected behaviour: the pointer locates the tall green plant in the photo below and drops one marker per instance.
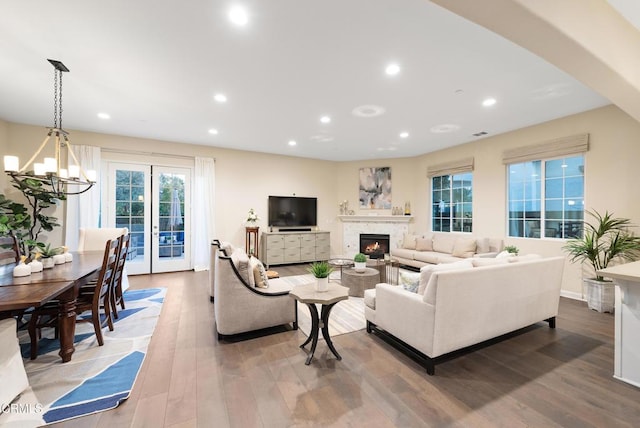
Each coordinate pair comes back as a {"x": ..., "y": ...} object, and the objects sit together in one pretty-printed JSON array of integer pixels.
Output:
[{"x": 605, "y": 239}]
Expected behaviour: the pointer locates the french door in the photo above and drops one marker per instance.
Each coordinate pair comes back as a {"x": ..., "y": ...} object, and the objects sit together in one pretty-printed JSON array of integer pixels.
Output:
[{"x": 153, "y": 203}]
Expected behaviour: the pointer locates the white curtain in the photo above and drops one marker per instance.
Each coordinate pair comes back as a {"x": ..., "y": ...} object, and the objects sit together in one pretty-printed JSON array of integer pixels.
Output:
[
  {"x": 203, "y": 212},
  {"x": 83, "y": 210}
]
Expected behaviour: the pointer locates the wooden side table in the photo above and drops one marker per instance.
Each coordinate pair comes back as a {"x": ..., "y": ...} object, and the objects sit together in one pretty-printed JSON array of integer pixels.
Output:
[
  {"x": 251, "y": 246},
  {"x": 308, "y": 295}
]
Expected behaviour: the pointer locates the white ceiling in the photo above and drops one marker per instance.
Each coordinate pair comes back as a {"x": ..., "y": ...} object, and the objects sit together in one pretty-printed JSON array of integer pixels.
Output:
[{"x": 154, "y": 67}]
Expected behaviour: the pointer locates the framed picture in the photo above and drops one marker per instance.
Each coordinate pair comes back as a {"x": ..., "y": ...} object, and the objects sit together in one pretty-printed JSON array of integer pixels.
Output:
[{"x": 375, "y": 188}]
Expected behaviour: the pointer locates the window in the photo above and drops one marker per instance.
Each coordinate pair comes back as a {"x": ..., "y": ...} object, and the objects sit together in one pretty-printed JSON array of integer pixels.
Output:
[
  {"x": 546, "y": 198},
  {"x": 452, "y": 197}
]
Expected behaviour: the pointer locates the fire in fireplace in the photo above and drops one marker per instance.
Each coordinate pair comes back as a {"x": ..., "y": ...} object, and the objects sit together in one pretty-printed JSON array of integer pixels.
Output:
[{"x": 374, "y": 245}]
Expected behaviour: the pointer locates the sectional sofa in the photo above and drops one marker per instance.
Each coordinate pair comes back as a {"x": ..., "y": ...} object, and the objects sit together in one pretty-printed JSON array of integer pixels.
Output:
[
  {"x": 433, "y": 248},
  {"x": 464, "y": 303}
]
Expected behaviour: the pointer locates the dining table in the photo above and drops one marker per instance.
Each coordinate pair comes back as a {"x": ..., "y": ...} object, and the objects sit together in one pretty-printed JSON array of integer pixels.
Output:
[{"x": 61, "y": 282}]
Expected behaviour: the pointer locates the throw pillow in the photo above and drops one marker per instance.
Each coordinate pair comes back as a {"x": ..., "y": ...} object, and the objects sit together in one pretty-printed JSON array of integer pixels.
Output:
[
  {"x": 464, "y": 248},
  {"x": 443, "y": 243},
  {"x": 424, "y": 243},
  {"x": 409, "y": 242},
  {"x": 253, "y": 264},
  {"x": 241, "y": 262},
  {"x": 409, "y": 281},
  {"x": 504, "y": 255},
  {"x": 260, "y": 276}
]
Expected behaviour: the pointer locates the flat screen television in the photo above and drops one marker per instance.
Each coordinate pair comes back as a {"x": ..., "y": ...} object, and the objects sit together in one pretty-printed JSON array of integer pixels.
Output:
[{"x": 293, "y": 211}]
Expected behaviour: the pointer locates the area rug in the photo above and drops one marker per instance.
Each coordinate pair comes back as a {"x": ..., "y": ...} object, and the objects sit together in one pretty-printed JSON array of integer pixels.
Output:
[
  {"x": 346, "y": 316},
  {"x": 97, "y": 378}
]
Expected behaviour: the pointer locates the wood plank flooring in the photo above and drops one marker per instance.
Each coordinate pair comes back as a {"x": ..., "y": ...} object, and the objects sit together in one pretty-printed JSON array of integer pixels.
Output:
[{"x": 539, "y": 378}]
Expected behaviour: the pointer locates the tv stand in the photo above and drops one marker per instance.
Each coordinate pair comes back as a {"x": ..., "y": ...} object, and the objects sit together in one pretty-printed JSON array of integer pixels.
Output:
[{"x": 294, "y": 246}]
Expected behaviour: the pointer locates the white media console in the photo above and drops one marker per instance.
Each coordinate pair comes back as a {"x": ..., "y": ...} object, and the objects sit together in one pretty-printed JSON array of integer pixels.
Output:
[{"x": 286, "y": 247}]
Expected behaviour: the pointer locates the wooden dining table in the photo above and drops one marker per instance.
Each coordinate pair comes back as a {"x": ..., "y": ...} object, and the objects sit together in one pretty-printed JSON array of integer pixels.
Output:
[{"x": 62, "y": 282}]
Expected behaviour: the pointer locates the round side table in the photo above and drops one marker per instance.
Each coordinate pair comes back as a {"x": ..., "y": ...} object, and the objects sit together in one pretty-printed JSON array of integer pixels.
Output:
[{"x": 358, "y": 282}]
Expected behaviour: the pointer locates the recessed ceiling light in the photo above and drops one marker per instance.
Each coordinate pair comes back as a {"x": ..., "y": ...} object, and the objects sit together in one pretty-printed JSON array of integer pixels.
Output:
[
  {"x": 221, "y": 98},
  {"x": 325, "y": 119},
  {"x": 404, "y": 135},
  {"x": 213, "y": 131},
  {"x": 292, "y": 143},
  {"x": 392, "y": 69},
  {"x": 104, "y": 116},
  {"x": 444, "y": 128},
  {"x": 488, "y": 102},
  {"x": 368, "y": 111},
  {"x": 238, "y": 15}
]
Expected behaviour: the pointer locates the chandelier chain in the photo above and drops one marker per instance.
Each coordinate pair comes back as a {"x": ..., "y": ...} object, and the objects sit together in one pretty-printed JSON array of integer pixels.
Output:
[{"x": 55, "y": 98}]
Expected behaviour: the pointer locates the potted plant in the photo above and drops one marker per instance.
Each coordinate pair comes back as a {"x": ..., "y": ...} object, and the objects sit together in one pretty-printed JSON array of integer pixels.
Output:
[
  {"x": 321, "y": 270},
  {"x": 360, "y": 262},
  {"x": 605, "y": 240},
  {"x": 512, "y": 249},
  {"x": 47, "y": 253}
]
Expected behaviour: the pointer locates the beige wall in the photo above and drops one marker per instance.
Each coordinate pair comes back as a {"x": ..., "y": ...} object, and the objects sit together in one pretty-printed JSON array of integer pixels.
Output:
[{"x": 245, "y": 179}]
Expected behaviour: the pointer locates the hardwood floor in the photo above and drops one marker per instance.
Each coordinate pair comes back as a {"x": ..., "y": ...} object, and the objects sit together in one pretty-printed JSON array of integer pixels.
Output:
[{"x": 539, "y": 378}]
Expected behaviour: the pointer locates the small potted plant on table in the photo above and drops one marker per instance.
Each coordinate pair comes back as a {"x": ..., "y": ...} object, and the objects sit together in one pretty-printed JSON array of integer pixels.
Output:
[
  {"x": 321, "y": 270},
  {"x": 605, "y": 240},
  {"x": 360, "y": 262}
]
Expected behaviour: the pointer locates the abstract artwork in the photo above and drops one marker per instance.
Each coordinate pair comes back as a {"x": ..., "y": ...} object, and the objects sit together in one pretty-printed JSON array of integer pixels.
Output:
[{"x": 375, "y": 188}]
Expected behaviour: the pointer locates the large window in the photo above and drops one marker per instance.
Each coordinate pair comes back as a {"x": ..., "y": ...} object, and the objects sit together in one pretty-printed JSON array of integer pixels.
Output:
[
  {"x": 546, "y": 198},
  {"x": 452, "y": 197}
]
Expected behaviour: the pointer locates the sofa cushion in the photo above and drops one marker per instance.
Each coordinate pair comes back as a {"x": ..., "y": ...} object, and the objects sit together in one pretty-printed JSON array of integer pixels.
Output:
[
  {"x": 409, "y": 281},
  {"x": 464, "y": 247},
  {"x": 370, "y": 298},
  {"x": 489, "y": 262},
  {"x": 241, "y": 262},
  {"x": 424, "y": 243},
  {"x": 409, "y": 242},
  {"x": 443, "y": 243},
  {"x": 482, "y": 246},
  {"x": 447, "y": 258},
  {"x": 427, "y": 257},
  {"x": 527, "y": 257},
  {"x": 430, "y": 289},
  {"x": 403, "y": 253}
]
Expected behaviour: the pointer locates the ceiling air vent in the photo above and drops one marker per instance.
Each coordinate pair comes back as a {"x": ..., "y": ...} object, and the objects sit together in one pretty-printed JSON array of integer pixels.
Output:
[{"x": 480, "y": 134}]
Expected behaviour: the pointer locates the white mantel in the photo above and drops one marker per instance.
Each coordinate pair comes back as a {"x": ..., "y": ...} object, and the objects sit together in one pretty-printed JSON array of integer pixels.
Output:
[{"x": 396, "y": 226}]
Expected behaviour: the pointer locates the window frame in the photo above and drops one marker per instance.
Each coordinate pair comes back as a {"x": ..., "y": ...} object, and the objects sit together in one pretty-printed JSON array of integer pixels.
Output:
[{"x": 463, "y": 205}]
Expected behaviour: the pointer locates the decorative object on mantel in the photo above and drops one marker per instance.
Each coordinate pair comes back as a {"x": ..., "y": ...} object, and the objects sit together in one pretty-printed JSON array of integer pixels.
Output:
[
  {"x": 61, "y": 181},
  {"x": 21, "y": 269},
  {"x": 360, "y": 262},
  {"x": 344, "y": 207},
  {"x": 375, "y": 188},
  {"x": 321, "y": 271},
  {"x": 605, "y": 240},
  {"x": 407, "y": 208}
]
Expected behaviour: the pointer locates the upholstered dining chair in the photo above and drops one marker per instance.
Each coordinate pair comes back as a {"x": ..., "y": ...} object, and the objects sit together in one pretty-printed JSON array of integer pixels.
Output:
[
  {"x": 93, "y": 239},
  {"x": 89, "y": 299},
  {"x": 13, "y": 377}
]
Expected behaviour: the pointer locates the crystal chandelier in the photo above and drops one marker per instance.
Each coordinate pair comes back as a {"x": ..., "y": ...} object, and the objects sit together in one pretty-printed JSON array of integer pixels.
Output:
[{"x": 61, "y": 181}]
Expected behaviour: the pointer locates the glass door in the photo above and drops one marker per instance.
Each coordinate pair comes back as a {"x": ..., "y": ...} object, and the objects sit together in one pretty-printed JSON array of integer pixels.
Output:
[
  {"x": 129, "y": 203},
  {"x": 153, "y": 203},
  {"x": 170, "y": 227}
]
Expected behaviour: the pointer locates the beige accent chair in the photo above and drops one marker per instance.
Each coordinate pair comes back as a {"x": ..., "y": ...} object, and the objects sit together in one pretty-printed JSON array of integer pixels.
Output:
[
  {"x": 13, "y": 377},
  {"x": 240, "y": 307}
]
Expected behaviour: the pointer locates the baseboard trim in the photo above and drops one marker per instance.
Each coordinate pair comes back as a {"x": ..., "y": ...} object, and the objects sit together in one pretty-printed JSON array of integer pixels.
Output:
[{"x": 572, "y": 295}]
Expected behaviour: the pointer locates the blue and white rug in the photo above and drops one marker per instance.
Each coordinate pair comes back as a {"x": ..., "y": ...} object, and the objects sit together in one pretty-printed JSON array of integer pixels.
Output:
[{"x": 97, "y": 378}]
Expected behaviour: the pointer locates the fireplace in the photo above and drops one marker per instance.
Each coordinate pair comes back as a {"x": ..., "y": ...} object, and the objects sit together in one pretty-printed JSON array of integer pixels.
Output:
[{"x": 374, "y": 245}]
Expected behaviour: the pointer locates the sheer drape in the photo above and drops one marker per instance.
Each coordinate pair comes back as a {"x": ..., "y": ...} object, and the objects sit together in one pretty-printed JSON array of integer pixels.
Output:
[
  {"x": 83, "y": 210},
  {"x": 203, "y": 212}
]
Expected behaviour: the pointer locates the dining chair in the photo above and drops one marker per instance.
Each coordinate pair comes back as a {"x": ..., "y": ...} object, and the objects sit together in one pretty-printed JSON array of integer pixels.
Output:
[
  {"x": 117, "y": 297},
  {"x": 90, "y": 298},
  {"x": 93, "y": 238}
]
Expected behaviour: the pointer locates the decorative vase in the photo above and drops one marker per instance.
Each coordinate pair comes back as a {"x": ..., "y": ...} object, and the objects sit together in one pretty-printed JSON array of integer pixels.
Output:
[
  {"x": 59, "y": 259},
  {"x": 35, "y": 266},
  {"x": 322, "y": 284},
  {"x": 68, "y": 257},
  {"x": 21, "y": 269},
  {"x": 48, "y": 263},
  {"x": 360, "y": 266}
]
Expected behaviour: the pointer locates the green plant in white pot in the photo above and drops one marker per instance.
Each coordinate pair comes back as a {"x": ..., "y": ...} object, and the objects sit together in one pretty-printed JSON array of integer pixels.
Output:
[
  {"x": 321, "y": 270},
  {"x": 607, "y": 239},
  {"x": 360, "y": 262}
]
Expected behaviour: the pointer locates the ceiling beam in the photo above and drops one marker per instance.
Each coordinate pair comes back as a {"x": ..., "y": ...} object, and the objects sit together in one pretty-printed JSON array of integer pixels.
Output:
[{"x": 588, "y": 39}]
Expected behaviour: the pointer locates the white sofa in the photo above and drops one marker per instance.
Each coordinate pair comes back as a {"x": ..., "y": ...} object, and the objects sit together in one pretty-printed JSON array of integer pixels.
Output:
[
  {"x": 463, "y": 306},
  {"x": 418, "y": 250},
  {"x": 239, "y": 305}
]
